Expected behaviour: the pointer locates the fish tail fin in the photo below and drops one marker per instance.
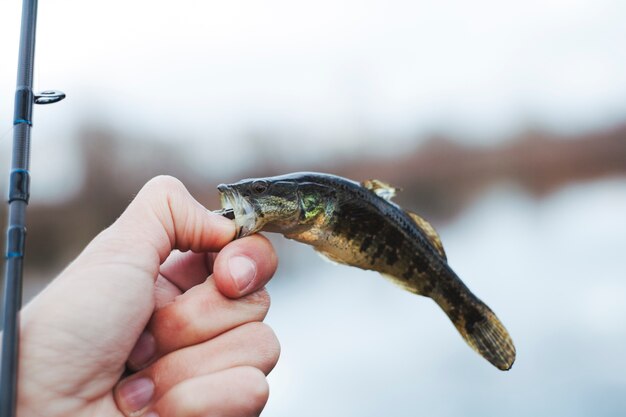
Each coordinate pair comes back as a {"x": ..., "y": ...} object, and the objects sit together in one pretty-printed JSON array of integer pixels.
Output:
[{"x": 478, "y": 325}]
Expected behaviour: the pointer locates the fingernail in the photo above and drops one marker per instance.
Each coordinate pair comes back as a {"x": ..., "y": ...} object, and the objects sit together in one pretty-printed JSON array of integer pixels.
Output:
[
  {"x": 136, "y": 394},
  {"x": 243, "y": 271},
  {"x": 143, "y": 352}
]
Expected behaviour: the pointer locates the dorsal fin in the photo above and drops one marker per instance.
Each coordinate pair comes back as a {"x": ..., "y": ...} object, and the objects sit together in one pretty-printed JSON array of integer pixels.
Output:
[
  {"x": 430, "y": 233},
  {"x": 381, "y": 189}
]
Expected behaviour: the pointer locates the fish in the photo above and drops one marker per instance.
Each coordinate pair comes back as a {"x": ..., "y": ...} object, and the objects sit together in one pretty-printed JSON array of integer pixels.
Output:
[{"x": 358, "y": 224}]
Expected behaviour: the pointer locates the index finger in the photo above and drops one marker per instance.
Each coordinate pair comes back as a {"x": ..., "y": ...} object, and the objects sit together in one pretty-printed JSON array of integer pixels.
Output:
[{"x": 188, "y": 269}]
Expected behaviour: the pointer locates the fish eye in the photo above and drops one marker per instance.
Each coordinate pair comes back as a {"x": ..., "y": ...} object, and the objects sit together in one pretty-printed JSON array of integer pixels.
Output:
[{"x": 259, "y": 186}]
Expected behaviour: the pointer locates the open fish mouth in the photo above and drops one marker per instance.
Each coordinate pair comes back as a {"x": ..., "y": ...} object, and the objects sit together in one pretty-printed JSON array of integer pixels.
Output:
[{"x": 237, "y": 207}]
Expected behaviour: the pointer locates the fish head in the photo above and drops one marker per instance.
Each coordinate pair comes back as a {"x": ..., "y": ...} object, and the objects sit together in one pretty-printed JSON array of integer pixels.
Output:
[{"x": 276, "y": 204}]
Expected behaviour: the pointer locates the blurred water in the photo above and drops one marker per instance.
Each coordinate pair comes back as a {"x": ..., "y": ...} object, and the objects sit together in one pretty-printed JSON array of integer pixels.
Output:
[{"x": 553, "y": 270}]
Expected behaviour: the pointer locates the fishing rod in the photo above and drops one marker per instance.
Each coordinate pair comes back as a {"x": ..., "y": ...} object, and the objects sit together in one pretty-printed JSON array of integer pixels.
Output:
[{"x": 19, "y": 193}]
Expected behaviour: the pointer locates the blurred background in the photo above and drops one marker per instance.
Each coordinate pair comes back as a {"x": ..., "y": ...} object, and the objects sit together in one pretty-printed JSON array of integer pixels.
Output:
[{"x": 503, "y": 122}]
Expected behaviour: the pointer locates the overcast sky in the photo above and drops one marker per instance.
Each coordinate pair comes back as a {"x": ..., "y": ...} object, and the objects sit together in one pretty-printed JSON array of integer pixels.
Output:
[{"x": 324, "y": 74}]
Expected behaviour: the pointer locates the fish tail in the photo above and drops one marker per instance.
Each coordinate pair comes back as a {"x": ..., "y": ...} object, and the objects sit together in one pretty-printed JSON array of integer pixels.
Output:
[{"x": 478, "y": 325}]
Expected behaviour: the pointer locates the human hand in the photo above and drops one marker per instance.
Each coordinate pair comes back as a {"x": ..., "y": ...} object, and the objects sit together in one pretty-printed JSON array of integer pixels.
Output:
[{"x": 197, "y": 344}]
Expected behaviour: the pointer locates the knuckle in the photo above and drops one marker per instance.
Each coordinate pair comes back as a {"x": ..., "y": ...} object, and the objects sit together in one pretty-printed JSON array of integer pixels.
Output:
[
  {"x": 266, "y": 345},
  {"x": 189, "y": 397},
  {"x": 184, "y": 401},
  {"x": 165, "y": 182},
  {"x": 260, "y": 298},
  {"x": 255, "y": 391},
  {"x": 158, "y": 193},
  {"x": 181, "y": 310},
  {"x": 172, "y": 319},
  {"x": 261, "y": 332}
]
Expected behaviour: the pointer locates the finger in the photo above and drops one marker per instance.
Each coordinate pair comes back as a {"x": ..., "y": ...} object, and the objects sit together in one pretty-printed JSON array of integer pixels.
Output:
[
  {"x": 194, "y": 317},
  {"x": 203, "y": 312},
  {"x": 186, "y": 269},
  {"x": 179, "y": 272},
  {"x": 200, "y": 314},
  {"x": 244, "y": 266},
  {"x": 242, "y": 391},
  {"x": 164, "y": 292},
  {"x": 253, "y": 344},
  {"x": 236, "y": 276}
]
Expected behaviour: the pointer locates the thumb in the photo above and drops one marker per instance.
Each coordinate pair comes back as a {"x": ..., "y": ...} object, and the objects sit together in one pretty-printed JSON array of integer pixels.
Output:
[
  {"x": 102, "y": 301},
  {"x": 163, "y": 217}
]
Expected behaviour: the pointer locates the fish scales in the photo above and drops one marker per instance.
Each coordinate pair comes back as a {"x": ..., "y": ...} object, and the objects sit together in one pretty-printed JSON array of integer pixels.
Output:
[
  {"x": 371, "y": 233},
  {"x": 400, "y": 250},
  {"x": 357, "y": 224}
]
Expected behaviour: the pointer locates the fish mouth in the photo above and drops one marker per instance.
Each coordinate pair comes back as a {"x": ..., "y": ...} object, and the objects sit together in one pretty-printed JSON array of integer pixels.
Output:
[{"x": 234, "y": 204}]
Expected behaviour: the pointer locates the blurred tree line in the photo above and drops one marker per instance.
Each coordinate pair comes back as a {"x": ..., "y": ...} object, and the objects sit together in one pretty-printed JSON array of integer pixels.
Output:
[{"x": 438, "y": 179}]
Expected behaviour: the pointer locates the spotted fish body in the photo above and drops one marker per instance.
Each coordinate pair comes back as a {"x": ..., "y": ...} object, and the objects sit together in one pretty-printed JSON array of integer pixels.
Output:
[{"x": 357, "y": 224}]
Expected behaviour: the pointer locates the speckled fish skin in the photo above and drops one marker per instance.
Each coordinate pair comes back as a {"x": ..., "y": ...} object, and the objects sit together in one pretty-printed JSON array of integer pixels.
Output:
[{"x": 351, "y": 224}]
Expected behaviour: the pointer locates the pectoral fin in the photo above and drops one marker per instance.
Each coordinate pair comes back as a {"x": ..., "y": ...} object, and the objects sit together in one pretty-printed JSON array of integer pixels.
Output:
[
  {"x": 430, "y": 233},
  {"x": 381, "y": 189}
]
